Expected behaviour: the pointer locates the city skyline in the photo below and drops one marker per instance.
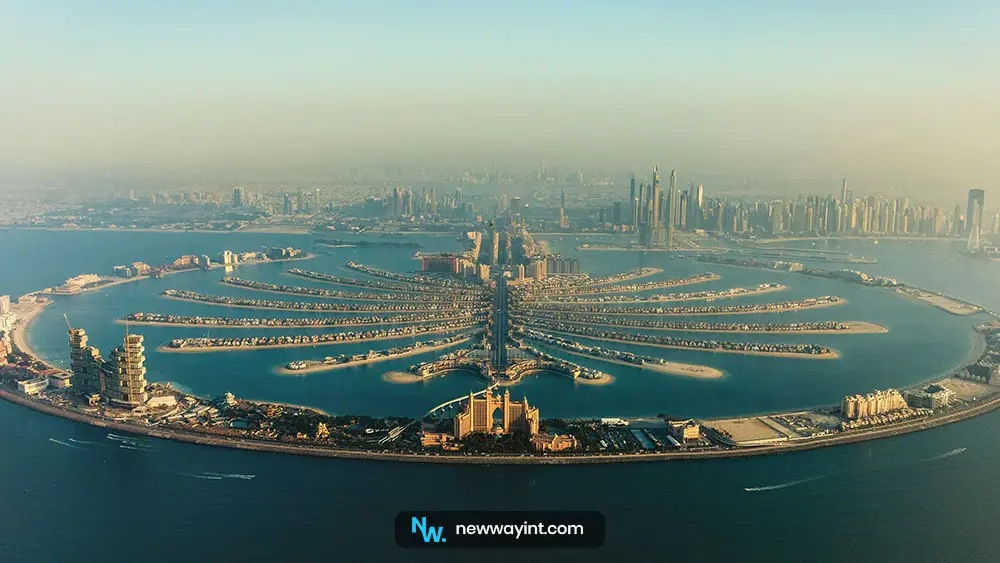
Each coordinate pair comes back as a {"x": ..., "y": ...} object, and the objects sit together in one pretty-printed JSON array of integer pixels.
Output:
[{"x": 890, "y": 95}]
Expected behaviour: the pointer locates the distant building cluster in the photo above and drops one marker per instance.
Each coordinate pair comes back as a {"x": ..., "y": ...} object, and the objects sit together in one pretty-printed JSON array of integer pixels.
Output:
[
  {"x": 189, "y": 262},
  {"x": 855, "y": 407},
  {"x": 655, "y": 214},
  {"x": 561, "y": 265}
]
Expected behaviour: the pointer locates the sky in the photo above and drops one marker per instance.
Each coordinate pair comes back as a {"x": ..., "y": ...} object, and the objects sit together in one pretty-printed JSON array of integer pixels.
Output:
[{"x": 899, "y": 95}]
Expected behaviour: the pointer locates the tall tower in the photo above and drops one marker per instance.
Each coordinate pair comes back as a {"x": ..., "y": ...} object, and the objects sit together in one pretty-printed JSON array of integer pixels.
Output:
[
  {"x": 675, "y": 209},
  {"x": 125, "y": 373},
  {"x": 85, "y": 363},
  {"x": 974, "y": 216},
  {"x": 843, "y": 192}
]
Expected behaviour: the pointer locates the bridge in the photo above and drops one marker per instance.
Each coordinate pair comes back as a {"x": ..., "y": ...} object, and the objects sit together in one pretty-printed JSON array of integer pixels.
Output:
[{"x": 398, "y": 431}]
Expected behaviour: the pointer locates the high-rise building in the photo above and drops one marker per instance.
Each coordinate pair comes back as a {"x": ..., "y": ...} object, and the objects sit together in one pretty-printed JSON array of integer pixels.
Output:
[
  {"x": 974, "y": 216},
  {"x": 4, "y": 304},
  {"x": 287, "y": 208},
  {"x": 515, "y": 206},
  {"x": 125, "y": 373},
  {"x": 239, "y": 195},
  {"x": 843, "y": 192},
  {"x": 85, "y": 363}
]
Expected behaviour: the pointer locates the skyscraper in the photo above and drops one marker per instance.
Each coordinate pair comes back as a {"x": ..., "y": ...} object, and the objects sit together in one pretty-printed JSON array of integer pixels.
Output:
[
  {"x": 515, "y": 206},
  {"x": 843, "y": 192},
  {"x": 974, "y": 216},
  {"x": 125, "y": 373},
  {"x": 238, "y": 196},
  {"x": 674, "y": 209}
]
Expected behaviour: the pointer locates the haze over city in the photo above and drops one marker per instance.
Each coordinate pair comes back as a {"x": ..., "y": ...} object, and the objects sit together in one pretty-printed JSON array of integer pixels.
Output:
[{"x": 893, "y": 95}]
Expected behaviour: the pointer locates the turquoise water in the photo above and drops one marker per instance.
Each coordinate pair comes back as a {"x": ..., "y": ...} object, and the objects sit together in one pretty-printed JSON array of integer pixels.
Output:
[
  {"x": 925, "y": 342},
  {"x": 892, "y": 500}
]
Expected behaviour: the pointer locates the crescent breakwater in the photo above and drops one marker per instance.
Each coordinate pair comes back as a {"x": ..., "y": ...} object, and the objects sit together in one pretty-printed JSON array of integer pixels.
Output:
[
  {"x": 783, "y": 306},
  {"x": 811, "y": 351},
  {"x": 583, "y": 299},
  {"x": 349, "y": 296},
  {"x": 159, "y": 319},
  {"x": 205, "y": 439},
  {"x": 286, "y": 341},
  {"x": 819, "y": 327},
  {"x": 246, "y": 303}
]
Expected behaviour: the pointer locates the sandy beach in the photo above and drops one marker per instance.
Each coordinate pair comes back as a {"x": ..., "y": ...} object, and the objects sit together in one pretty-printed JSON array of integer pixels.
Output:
[
  {"x": 832, "y": 355},
  {"x": 328, "y": 367},
  {"x": 26, "y": 312},
  {"x": 705, "y": 314},
  {"x": 205, "y": 349},
  {"x": 608, "y": 379},
  {"x": 671, "y": 300},
  {"x": 853, "y": 327},
  {"x": 119, "y": 281},
  {"x": 672, "y": 368}
]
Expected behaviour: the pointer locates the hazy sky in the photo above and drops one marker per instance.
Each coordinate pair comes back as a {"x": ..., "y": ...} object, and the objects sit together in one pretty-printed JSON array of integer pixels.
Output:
[{"x": 903, "y": 94}]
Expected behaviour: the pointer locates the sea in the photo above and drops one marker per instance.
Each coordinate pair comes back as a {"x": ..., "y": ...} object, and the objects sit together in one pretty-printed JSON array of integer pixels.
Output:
[{"x": 77, "y": 493}]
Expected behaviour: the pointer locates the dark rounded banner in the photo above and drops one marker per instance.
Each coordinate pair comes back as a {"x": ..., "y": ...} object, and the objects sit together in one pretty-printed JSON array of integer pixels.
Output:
[{"x": 445, "y": 529}]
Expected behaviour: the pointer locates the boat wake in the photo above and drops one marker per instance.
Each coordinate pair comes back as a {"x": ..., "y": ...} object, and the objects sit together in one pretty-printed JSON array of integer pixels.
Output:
[
  {"x": 124, "y": 441},
  {"x": 244, "y": 476},
  {"x": 195, "y": 476},
  {"x": 67, "y": 444},
  {"x": 953, "y": 452},
  {"x": 135, "y": 448},
  {"x": 75, "y": 441},
  {"x": 780, "y": 486}
]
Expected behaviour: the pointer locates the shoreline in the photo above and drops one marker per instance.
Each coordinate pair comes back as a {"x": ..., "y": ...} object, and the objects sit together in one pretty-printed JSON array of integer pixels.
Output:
[
  {"x": 19, "y": 335},
  {"x": 840, "y": 301},
  {"x": 319, "y": 451},
  {"x": 832, "y": 355},
  {"x": 204, "y": 349},
  {"x": 121, "y": 281},
  {"x": 670, "y": 368},
  {"x": 674, "y": 300},
  {"x": 329, "y": 367},
  {"x": 857, "y": 327}
]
